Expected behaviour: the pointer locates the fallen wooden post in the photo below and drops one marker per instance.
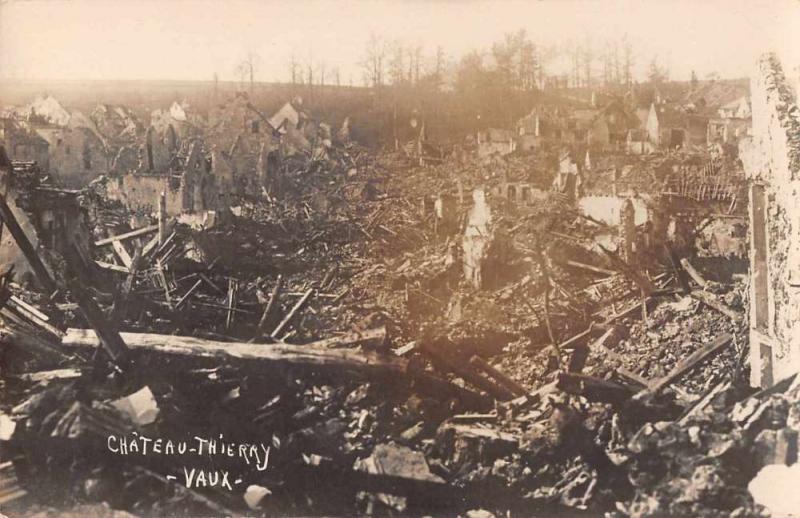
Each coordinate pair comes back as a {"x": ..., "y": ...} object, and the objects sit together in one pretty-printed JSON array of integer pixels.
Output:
[
  {"x": 589, "y": 267},
  {"x": 189, "y": 293},
  {"x": 17, "y": 332},
  {"x": 500, "y": 377},
  {"x": 162, "y": 217},
  {"x": 595, "y": 326},
  {"x": 108, "y": 333},
  {"x": 468, "y": 373},
  {"x": 593, "y": 389},
  {"x": 113, "y": 267},
  {"x": 33, "y": 315},
  {"x": 109, "y": 336},
  {"x": 318, "y": 354},
  {"x": 150, "y": 246},
  {"x": 24, "y": 244},
  {"x": 680, "y": 274},
  {"x": 711, "y": 301},
  {"x": 269, "y": 308},
  {"x": 120, "y": 307},
  {"x": 687, "y": 364},
  {"x": 644, "y": 284},
  {"x": 29, "y": 308},
  {"x": 693, "y": 273},
  {"x": 122, "y": 253},
  {"x": 210, "y": 283},
  {"x": 127, "y": 235},
  {"x": 292, "y": 313},
  {"x": 233, "y": 295}
]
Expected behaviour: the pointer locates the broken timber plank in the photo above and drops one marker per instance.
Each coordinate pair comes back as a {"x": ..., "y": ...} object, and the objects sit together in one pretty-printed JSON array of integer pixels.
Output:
[
  {"x": 628, "y": 271},
  {"x": 687, "y": 364},
  {"x": 316, "y": 354},
  {"x": 500, "y": 377},
  {"x": 478, "y": 432},
  {"x": 24, "y": 244},
  {"x": 589, "y": 267},
  {"x": 112, "y": 267},
  {"x": 292, "y": 313},
  {"x": 466, "y": 372},
  {"x": 123, "y": 254},
  {"x": 162, "y": 216},
  {"x": 33, "y": 317},
  {"x": 29, "y": 308},
  {"x": 120, "y": 307},
  {"x": 711, "y": 301},
  {"x": 188, "y": 294},
  {"x": 268, "y": 310},
  {"x": 594, "y": 389},
  {"x": 233, "y": 292},
  {"x": 693, "y": 273},
  {"x": 109, "y": 336},
  {"x": 127, "y": 235}
]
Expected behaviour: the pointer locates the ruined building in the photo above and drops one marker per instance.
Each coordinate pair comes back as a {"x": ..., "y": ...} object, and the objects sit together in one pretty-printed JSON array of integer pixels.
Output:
[
  {"x": 193, "y": 179},
  {"x": 247, "y": 137},
  {"x": 23, "y": 144},
  {"x": 772, "y": 164}
]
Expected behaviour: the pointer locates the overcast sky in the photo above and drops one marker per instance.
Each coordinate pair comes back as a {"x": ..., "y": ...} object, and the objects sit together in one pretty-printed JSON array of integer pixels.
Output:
[{"x": 193, "y": 39}]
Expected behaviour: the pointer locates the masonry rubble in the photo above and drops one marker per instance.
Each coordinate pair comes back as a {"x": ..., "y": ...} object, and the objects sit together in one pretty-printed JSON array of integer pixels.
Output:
[{"x": 428, "y": 342}]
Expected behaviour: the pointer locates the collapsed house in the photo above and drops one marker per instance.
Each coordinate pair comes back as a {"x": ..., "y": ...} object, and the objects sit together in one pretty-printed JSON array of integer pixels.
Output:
[
  {"x": 23, "y": 144},
  {"x": 495, "y": 141}
]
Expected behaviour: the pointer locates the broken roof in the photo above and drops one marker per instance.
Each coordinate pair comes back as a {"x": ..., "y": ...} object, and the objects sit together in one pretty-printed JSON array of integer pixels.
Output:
[
  {"x": 714, "y": 94},
  {"x": 499, "y": 135}
]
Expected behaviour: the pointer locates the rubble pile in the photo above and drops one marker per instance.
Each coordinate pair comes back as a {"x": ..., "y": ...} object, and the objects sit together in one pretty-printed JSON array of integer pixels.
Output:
[{"x": 374, "y": 336}]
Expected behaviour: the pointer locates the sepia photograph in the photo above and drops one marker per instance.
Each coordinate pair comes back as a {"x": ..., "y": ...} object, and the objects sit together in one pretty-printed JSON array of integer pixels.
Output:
[{"x": 399, "y": 258}]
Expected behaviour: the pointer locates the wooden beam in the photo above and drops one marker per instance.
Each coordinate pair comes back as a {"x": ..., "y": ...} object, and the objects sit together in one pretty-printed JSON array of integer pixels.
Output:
[
  {"x": 594, "y": 389},
  {"x": 318, "y": 354},
  {"x": 693, "y": 273},
  {"x": 162, "y": 217},
  {"x": 687, "y": 364},
  {"x": 711, "y": 301},
  {"x": 109, "y": 336},
  {"x": 269, "y": 309},
  {"x": 127, "y": 235},
  {"x": 189, "y": 293},
  {"x": 27, "y": 248},
  {"x": 466, "y": 372},
  {"x": 113, "y": 267},
  {"x": 644, "y": 284},
  {"x": 123, "y": 254},
  {"x": 501, "y": 378},
  {"x": 292, "y": 313},
  {"x": 589, "y": 267}
]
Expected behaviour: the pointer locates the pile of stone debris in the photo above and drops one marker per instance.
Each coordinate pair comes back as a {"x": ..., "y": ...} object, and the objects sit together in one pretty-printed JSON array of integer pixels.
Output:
[{"x": 377, "y": 341}]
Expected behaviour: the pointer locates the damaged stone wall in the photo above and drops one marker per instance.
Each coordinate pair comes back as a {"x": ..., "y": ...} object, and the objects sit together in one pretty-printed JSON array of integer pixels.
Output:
[
  {"x": 771, "y": 159},
  {"x": 141, "y": 192}
]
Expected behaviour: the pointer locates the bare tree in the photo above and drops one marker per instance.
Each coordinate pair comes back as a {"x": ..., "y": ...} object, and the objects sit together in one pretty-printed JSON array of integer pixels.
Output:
[
  {"x": 397, "y": 63},
  {"x": 417, "y": 62},
  {"x": 294, "y": 68},
  {"x": 439, "y": 64},
  {"x": 588, "y": 58},
  {"x": 374, "y": 62},
  {"x": 247, "y": 68},
  {"x": 656, "y": 72},
  {"x": 627, "y": 60},
  {"x": 576, "y": 64}
]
